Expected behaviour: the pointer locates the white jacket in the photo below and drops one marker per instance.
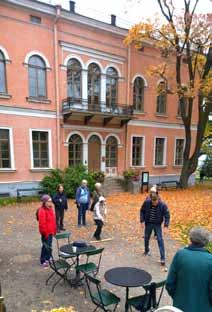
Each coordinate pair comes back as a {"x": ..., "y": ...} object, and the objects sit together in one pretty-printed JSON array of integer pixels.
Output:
[{"x": 99, "y": 211}]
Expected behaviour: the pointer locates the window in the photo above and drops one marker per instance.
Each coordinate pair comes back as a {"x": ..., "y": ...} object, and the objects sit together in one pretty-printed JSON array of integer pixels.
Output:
[
  {"x": 159, "y": 151},
  {"x": 179, "y": 148},
  {"x": 75, "y": 150},
  {"x": 3, "y": 88},
  {"x": 5, "y": 161},
  {"x": 74, "y": 72},
  {"x": 137, "y": 151},
  {"x": 94, "y": 85},
  {"x": 40, "y": 147},
  {"x": 138, "y": 94},
  {"x": 183, "y": 103},
  {"x": 161, "y": 98},
  {"x": 111, "y": 152},
  {"x": 35, "y": 19},
  {"x": 37, "y": 77},
  {"x": 111, "y": 87}
]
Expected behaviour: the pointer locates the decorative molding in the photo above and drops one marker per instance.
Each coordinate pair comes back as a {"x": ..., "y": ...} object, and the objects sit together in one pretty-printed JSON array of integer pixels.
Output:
[
  {"x": 11, "y": 110},
  {"x": 5, "y": 96},
  {"x": 156, "y": 124},
  {"x": 35, "y": 52},
  {"x": 140, "y": 76},
  {"x": 90, "y": 128},
  {"x": 73, "y": 56},
  {"x": 6, "y": 55}
]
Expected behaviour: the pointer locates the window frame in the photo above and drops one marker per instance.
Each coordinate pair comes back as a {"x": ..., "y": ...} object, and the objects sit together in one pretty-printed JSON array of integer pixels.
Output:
[
  {"x": 81, "y": 69},
  {"x": 142, "y": 153},
  {"x": 49, "y": 149},
  {"x": 164, "y": 152},
  {"x": 116, "y": 165},
  {"x": 75, "y": 151},
  {"x": 4, "y": 61},
  {"x": 134, "y": 95},
  {"x": 175, "y": 146},
  {"x": 37, "y": 97},
  {"x": 110, "y": 97},
  {"x": 93, "y": 102},
  {"x": 11, "y": 150},
  {"x": 159, "y": 97}
]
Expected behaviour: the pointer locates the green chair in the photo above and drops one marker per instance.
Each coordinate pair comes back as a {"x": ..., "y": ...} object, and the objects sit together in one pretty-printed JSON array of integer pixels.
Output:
[
  {"x": 61, "y": 239},
  {"x": 2, "y": 305},
  {"x": 148, "y": 301},
  {"x": 91, "y": 267},
  {"x": 102, "y": 298},
  {"x": 60, "y": 268}
]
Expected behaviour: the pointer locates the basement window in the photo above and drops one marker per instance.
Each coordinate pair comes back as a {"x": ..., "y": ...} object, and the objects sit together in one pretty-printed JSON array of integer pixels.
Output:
[{"x": 35, "y": 19}]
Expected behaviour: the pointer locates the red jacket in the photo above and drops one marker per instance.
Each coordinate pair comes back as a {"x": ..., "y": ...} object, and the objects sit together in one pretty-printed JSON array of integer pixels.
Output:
[{"x": 47, "y": 223}]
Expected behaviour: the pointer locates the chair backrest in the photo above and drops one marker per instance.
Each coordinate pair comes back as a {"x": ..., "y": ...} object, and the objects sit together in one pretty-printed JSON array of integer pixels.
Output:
[
  {"x": 95, "y": 252},
  {"x": 61, "y": 237},
  {"x": 152, "y": 288},
  {"x": 168, "y": 309},
  {"x": 94, "y": 283}
]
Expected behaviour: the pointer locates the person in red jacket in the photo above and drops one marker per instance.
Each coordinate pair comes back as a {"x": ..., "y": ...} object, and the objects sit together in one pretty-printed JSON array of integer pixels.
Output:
[{"x": 47, "y": 228}]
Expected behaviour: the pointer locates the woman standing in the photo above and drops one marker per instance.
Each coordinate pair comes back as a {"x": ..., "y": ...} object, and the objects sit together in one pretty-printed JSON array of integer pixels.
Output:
[
  {"x": 47, "y": 228},
  {"x": 99, "y": 214},
  {"x": 96, "y": 194},
  {"x": 61, "y": 204}
]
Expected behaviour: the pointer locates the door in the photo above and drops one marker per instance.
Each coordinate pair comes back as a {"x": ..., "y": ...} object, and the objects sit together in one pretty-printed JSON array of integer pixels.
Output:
[{"x": 94, "y": 153}]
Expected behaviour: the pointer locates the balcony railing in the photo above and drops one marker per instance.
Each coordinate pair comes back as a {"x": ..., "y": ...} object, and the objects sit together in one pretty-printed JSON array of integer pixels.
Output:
[{"x": 71, "y": 104}]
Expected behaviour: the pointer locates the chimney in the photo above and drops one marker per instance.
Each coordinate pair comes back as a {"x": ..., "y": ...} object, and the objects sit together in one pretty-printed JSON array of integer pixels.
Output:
[
  {"x": 113, "y": 20},
  {"x": 72, "y": 6}
]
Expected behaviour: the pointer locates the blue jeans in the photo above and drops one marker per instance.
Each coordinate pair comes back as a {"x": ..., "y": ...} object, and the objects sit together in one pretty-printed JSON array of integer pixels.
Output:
[
  {"x": 46, "y": 253},
  {"x": 147, "y": 233},
  {"x": 82, "y": 214}
]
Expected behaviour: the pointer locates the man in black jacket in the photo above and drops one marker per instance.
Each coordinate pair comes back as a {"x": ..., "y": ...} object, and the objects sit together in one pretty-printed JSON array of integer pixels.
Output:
[
  {"x": 61, "y": 204},
  {"x": 153, "y": 213}
]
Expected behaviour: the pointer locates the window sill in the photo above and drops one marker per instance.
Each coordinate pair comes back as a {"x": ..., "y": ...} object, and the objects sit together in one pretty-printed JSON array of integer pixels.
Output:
[
  {"x": 160, "y": 166},
  {"x": 137, "y": 112},
  {"x": 161, "y": 115},
  {"x": 38, "y": 100},
  {"x": 178, "y": 117},
  {"x": 40, "y": 169},
  {"x": 5, "y": 96},
  {"x": 177, "y": 166},
  {"x": 7, "y": 170}
]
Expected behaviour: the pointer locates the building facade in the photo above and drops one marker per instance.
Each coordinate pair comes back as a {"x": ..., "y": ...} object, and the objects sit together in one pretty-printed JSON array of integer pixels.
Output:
[{"x": 71, "y": 92}]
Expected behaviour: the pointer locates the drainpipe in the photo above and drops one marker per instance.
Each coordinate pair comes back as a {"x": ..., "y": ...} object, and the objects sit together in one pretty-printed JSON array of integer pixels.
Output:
[
  {"x": 57, "y": 95},
  {"x": 128, "y": 99}
]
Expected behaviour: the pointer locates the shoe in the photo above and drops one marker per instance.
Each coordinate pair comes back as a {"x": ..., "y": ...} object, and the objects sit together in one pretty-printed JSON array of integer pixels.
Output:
[
  {"x": 147, "y": 253},
  {"x": 162, "y": 263},
  {"x": 45, "y": 264}
]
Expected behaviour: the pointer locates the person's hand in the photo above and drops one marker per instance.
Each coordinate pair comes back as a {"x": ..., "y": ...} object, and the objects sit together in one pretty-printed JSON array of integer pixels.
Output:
[{"x": 166, "y": 230}]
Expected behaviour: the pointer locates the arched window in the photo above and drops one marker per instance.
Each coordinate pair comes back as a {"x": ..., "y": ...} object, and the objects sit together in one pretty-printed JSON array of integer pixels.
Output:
[
  {"x": 138, "y": 94},
  {"x": 74, "y": 73},
  {"x": 37, "y": 77},
  {"x": 111, "y": 152},
  {"x": 94, "y": 86},
  {"x": 111, "y": 87},
  {"x": 3, "y": 88},
  {"x": 75, "y": 150},
  {"x": 161, "y": 98}
]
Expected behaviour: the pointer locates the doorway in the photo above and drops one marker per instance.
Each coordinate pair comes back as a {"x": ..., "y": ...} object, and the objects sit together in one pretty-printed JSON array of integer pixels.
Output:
[{"x": 94, "y": 153}]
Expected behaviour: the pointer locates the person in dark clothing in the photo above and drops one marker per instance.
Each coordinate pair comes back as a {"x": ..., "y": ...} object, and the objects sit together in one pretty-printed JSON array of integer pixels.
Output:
[
  {"x": 83, "y": 202},
  {"x": 61, "y": 204},
  {"x": 153, "y": 213}
]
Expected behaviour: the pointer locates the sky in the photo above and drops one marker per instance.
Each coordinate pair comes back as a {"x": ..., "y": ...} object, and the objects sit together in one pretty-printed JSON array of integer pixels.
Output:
[{"x": 128, "y": 12}]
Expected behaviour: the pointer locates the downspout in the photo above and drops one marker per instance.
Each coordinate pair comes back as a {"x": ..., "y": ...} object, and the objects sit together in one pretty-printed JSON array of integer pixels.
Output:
[
  {"x": 57, "y": 95},
  {"x": 128, "y": 99}
]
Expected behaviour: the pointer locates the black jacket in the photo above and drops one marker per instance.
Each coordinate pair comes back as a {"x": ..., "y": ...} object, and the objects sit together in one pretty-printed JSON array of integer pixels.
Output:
[
  {"x": 60, "y": 201},
  {"x": 162, "y": 213}
]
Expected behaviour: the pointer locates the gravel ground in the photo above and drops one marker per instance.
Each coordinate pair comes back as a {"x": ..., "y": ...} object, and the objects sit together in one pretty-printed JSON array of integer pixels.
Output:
[{"x": 23, "y": 280}]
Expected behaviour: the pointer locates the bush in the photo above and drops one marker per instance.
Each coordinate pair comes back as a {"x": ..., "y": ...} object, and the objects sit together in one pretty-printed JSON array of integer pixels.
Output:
[
  {"x": 98, "y": 176},
  {"x": 49, "y": 183},
  {"x": 131, "y": 174}
]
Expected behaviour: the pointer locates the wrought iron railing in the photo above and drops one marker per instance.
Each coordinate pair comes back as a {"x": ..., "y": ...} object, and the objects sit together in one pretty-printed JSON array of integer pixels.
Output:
[{"x": 78, "y": 104}]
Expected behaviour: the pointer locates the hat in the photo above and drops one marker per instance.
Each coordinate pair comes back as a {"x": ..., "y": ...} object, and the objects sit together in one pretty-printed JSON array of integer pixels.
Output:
[
  {"x": 45, "y": 198},
  {"x": 153, "y": 189},
  {"x": 101, "y": 199}
]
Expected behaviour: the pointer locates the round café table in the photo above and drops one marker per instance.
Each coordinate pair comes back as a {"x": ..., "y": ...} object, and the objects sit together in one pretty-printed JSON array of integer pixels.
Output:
[
  {"x": 68, "y": 249},
  {"x": 127, "y": 277}
]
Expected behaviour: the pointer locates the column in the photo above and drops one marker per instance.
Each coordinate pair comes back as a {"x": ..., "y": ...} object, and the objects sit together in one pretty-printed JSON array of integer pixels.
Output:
[
  {"x": 85, "y": 154},
  {"x": 103, "y": 157},
  {"x": 85, "y": 88},
  {"x": 103, "y": 92}
]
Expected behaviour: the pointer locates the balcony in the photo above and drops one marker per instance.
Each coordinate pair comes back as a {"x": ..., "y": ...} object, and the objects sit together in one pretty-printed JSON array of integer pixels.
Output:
[{"x": 75, "y": 108}]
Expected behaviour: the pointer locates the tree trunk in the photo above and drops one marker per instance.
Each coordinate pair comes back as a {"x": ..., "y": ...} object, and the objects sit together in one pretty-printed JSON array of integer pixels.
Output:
[{"x": 188, "y": 168}]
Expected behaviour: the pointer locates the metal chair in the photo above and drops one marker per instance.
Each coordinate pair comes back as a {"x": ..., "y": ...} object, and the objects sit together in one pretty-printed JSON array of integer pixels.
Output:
[
  {"x": 2, "y": 305},
  {"x": 168, "y": 309},
  {"x": 91, "y": 267},
  {"x": 64, "y": 238},
  {"x": 102, "y": 298}
]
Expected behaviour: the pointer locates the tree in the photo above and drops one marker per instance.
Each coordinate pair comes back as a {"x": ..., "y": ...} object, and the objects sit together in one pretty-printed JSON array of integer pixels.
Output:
[{"x": 186, "y": 41}]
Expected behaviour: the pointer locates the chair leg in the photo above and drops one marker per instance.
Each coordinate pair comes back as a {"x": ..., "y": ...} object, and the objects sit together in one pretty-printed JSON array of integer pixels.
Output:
[
  {"x": 55, "y": 284},
  {"x": 49, "y": 277}
]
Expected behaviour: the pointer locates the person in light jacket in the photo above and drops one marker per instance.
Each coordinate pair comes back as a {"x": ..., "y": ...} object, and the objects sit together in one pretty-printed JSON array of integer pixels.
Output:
[
  {"x": 189, "y": 280},
  {"x": 99, "y": 214},
  {"x": 83, "y": 202}
]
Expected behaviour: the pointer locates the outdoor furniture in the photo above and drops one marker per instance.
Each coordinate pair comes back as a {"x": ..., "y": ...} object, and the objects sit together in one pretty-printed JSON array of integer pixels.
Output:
[
  {"x": 169, "y": 184},
  {"x": 2, "y": 305},
  {"x": 34, "y": 189},
  {"x": 149, "y": 300},
  {"x": 68, "y": 249},
  {"x": 127, "y": 277},
  {"x": 102, "y": 298},
  {"x": 61, "y": 237},
  {"x": 168, "y": 309},
  {"x": 91, "y": 267},
  {"x": 60, "y": 267}
]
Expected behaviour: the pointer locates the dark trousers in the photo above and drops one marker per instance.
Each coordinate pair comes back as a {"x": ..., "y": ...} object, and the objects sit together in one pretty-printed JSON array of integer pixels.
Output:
[
  {"x": 59, "y": 213},
  {"x": 147, "y": 233},
  {"x": 46, "y": 253},
  {"x": 82, "y": 214},
  {"x": 99, "y": 225}
]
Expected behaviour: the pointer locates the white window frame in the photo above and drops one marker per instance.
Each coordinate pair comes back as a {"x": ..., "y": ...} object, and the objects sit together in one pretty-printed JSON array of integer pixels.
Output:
[
  {"x": 164, "y": 152},
  {"x": 142, "y": 153},
  {"x": 12, "y": 156},
  {"x": 175, "y": 145},
  {"x": 49, "y": 148}
]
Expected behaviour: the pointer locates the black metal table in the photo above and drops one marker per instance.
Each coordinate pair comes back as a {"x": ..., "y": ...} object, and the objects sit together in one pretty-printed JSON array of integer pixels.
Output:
[
  {"x": 68, "y": 249},
  {"x": 127, "y": 277}
]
